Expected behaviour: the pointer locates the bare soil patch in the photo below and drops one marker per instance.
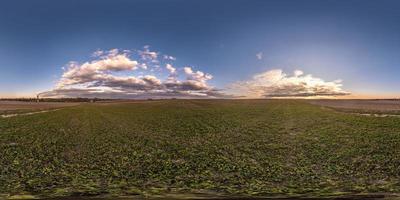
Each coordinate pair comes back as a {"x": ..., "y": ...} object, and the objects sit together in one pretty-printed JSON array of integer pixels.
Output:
[
  {"x": 361, "y": 105},
  {"x": 10, "y": 107}
]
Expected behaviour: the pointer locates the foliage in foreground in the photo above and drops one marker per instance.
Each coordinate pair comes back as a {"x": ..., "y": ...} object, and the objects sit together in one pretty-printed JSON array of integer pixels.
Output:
[{"x": 251, "y": 147}]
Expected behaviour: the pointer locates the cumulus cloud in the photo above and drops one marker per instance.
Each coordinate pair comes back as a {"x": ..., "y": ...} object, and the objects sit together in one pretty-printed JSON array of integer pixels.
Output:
[
  {"x": 259, "y": 55},
  {"x": 275, "y": 83},
  {"x": 138, "y": 74},
  {"x": 196, "y": 80},
  {"x": 196, "y": 76},
  {"x": 113, "y": 74},
  {"x": 170, "y": 68},
  {"x": 112, "y": 61}
]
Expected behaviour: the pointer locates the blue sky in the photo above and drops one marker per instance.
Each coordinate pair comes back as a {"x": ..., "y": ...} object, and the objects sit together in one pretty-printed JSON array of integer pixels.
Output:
[{"x": 357, "y": 42}]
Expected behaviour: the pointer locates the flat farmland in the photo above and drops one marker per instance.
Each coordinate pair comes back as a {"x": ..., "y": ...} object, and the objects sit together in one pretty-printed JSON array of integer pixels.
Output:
[
  {"x": 251, "y": 148},
  {"x": 380, "y": 106},
  {"x": 7, "y": 107}
]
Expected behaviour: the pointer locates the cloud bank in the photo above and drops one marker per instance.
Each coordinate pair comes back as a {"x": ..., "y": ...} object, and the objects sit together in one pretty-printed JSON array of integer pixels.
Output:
[
  {"x": 275, "y": 83},
  {"x": 116, "y": 74},
  {"x": 140, "y": 74}
]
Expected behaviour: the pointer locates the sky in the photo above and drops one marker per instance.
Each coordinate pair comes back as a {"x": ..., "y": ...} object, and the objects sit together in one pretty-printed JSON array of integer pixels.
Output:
[{"x": 200, "y": 49}]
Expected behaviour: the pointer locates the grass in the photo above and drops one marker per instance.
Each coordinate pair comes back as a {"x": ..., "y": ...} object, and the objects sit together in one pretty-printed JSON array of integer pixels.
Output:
[{"x": 234, "y": 147}]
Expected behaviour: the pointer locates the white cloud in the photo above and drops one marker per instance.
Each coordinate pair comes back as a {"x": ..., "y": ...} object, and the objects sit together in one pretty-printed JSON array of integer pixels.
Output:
[
  {"x": 298, "y": 73},
  {"x": 147, "y": 55},
  {"x": 275, "y": 83},
  {"x": 196, "y": 76},
  {"x": 112, "y": 61},
  {"x": 97, "y": 53},
  {"x": 143, "y": 65},
  {"x": 259, "y": 55},
  {"x": 111, "y": 74},
  {"x": 121, "y": 74},
  {"x": 170, "y": 68},
  {"x": 167, "y": 57}
]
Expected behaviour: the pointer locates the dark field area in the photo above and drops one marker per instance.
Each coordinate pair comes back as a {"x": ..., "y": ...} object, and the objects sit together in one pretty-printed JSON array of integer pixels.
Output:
[
  {"x": 379, "y": 106},
  {"x": 248, "y": 148},
  {"x": 10, "y": 107}
]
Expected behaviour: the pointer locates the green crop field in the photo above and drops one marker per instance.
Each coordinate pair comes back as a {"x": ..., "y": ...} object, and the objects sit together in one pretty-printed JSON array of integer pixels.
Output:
[{"x": 230, "y": 147}]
